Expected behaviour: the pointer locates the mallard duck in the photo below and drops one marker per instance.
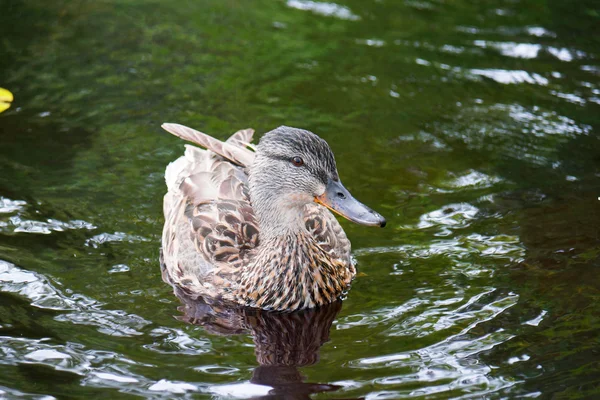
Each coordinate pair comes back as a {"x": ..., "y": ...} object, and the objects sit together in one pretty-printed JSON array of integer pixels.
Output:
[{"x": 251, "y": 225}]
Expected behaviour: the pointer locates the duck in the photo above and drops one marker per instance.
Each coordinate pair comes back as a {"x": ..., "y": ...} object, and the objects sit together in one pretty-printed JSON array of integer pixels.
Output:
[{"x": 253, "y": 225}]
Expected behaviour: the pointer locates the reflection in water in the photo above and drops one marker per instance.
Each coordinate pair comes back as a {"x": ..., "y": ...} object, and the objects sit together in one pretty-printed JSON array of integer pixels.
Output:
[{"x": 283, "y": 341}]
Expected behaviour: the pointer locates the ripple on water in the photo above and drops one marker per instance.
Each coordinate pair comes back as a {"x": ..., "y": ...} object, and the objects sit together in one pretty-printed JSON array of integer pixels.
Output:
[
  {"x": 18, "y": 223},
  {"x": 323, "y": 8},
  {"x": 449, "y": 321},
  {"x": 242, "y": 390},
  {"x": 455, "y": 216},
  {"x": 172, "y": 387},
  {"x": 98, "y": 368},
  {"x": 542, "y": 123},
  {"x": 102, "y": 238},
  {"x": 447, "y": 306},
  {"x": 371, "y": 42},
  {"x": 530, "y": 134},
  {"x": 81, "y": 309},
  {"x": 570, "y": 97},
  {"x": 446, "y": 365},
  {"x": 505, "y": 247},
  {"x": 591, "y": 68},
  {"x": 509, "y": 77},
  {"x": 9, "y": 206},
  {"x": 441, "y": 316},
  {"x": 10, "y": 393},
  {"x": 48, "y": 226},
  {"x": 35, "y": 287},
  {"x": 472, "y": 179},
  {"x": 530, "y": 50},
  {"x": 503, "y": 76},
  {"x": 119, "y": 268},
  {"x": 537, "y": 31},
  {"x": 176, "y": 341},
  {"x": 512, "y": 49}
]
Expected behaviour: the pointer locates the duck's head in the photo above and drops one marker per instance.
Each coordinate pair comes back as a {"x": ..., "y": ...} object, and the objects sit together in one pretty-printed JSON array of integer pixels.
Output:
[{"x": 294, "y": 167}]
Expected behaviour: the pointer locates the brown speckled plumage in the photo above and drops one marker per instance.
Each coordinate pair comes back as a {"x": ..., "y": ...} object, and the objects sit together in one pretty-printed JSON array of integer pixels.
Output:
[{"x": 242, "y": 226}]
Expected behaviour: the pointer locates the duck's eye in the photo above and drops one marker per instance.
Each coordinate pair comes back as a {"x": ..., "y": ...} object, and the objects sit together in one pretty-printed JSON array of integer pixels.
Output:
[{"x": 297, "y": 161}]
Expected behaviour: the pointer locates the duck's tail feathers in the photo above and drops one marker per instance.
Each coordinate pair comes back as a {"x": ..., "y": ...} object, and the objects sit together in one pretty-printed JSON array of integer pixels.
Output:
[
  {"x": 242, "y": 138},
  {"x": 235, "y": 149}
]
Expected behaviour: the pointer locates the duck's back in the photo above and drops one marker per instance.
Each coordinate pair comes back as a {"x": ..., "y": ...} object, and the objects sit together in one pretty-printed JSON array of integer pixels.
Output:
[{"x": 210, "y": 227}]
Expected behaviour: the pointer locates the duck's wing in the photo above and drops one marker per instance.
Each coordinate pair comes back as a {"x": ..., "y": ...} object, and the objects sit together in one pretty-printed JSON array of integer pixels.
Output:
[
  {"x": 211, "y": 247},
  {"x": 224, "y": 232},
  {"x": 328, "y": 232},
  {"x": 210, "y": 226}
]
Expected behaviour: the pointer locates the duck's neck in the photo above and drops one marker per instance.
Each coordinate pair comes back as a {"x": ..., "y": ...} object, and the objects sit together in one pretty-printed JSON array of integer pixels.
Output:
[
  {"x": 292, "y": 272},
  {"x": 279, "y": 217},
  {"x": 279, "y": 211}
]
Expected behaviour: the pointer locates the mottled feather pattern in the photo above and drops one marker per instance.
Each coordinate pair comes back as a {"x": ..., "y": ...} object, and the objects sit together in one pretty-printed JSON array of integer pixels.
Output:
[
  {"x": 327, "y": 232},
  {"x": 224, "y": 231},
  {"x": 198, "y": 181},
  {"x": 295, "y": 274}
]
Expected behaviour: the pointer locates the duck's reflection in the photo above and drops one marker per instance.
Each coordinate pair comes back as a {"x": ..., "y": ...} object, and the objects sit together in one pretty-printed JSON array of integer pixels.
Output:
[{"x": 283, "y": 341}]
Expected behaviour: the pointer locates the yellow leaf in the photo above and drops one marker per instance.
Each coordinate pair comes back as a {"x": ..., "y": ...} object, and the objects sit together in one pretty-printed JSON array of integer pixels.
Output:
[
  {"x": 5, "y": 95},
  {"x": 6, "y": 98}
]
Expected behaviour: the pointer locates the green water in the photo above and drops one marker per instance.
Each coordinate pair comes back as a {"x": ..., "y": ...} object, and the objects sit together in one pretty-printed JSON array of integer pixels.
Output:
[{"x": 471, "y": 125}]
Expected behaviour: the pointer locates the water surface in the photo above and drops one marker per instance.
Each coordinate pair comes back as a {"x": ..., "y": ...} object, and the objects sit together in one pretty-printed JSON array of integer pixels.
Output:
[{"x": 472, "y": 126}]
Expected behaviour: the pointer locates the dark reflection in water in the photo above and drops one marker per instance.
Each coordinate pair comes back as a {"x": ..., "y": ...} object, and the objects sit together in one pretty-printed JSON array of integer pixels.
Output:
[{"x": 283, "y": 341}]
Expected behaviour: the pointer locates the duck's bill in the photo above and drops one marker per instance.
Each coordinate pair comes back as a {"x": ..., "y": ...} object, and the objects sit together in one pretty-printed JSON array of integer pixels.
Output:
[{"x": 338, "y": 199}]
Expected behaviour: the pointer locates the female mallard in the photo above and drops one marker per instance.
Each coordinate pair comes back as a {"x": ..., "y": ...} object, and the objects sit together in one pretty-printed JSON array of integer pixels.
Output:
[{"x": 253, "y": 228}]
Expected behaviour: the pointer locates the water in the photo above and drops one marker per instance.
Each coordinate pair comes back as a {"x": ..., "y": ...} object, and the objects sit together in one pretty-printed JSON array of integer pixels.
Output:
[{"x": 472, "y": 126}]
